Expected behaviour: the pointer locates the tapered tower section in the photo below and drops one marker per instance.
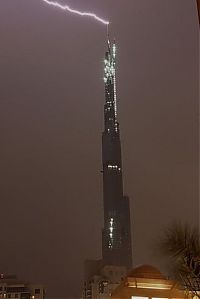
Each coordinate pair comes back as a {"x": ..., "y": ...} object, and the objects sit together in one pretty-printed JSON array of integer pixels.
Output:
[{"x": 116, "y": 234}]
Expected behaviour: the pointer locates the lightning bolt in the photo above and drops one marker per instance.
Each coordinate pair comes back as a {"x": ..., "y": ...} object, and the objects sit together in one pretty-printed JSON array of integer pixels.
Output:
[{"x": 86, "y": 14}]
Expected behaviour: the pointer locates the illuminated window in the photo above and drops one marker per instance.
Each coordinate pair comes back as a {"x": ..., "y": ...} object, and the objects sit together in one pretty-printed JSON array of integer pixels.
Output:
[
  {"x": 110, "y": 245},
  {"x": 111, "y": 231},
  {"x": 113, "y": 166}
]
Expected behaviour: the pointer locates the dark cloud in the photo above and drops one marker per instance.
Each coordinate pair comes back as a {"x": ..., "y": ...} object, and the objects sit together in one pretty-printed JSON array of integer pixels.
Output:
[{"x": 51, "y": 116}]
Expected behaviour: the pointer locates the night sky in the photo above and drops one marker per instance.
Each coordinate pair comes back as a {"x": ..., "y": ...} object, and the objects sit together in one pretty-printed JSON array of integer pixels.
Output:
[{"x": 51, "y": 119}]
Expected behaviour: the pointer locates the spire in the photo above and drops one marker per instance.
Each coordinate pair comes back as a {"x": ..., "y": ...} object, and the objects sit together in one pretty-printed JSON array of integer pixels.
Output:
[
  {"x": 108, "y": 38},
  {"x": 111, "y": 123}
]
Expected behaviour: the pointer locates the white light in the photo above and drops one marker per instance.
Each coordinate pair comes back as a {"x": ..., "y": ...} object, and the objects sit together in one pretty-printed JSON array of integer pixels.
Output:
[
  {"x": 137, "y": 297},
  {"x": 112, "y": 166},
  {"x": 66, "y": 7},
  {"x": 111, "y": 222}
]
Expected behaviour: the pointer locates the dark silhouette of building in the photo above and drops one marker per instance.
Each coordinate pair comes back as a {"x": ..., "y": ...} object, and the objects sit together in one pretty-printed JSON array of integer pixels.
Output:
[{"x": 116, "y": 234}]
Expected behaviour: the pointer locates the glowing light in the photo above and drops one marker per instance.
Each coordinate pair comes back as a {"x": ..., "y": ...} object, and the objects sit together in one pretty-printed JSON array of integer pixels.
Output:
[
  {"x": 112, "y": 167},
  {"x": 67, "y": 8},
  {"x": 110, "y": 75},
  {"x": 149, "y": 285},
  {"x": 114, "y": 50},
  {"x": 111, "y": 228}
]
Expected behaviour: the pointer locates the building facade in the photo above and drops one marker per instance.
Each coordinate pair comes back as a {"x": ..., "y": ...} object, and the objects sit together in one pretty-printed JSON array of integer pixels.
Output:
[
  {"x": 103, "y": 276},
  {"x": 147, "y": 282},
  {"x": 11, "y": 287},
  {"x": 103, "y": 282},
  {"x": 116, "y": 234}
]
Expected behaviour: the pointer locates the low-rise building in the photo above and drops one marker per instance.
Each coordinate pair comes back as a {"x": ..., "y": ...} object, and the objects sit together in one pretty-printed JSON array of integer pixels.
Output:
[
  {"x": 147, "y": 282},
  {"x": 103, "y": 282},
  {"x": 13, "y": 288}
]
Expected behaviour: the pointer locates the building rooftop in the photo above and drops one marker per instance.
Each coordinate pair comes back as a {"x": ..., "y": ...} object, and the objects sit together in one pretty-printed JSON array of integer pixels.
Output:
[
  {"x": 146, "y": 271},
  {"x": 148, "y": 282}
]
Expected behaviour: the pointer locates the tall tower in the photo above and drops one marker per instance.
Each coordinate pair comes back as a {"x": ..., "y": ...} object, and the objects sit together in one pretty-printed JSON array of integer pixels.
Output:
[
  {"x": 116, "y": 234},
  {"x": 102, "y": 276}
]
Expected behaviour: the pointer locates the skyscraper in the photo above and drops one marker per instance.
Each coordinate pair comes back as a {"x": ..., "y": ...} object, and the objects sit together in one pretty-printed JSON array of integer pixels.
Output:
[
  {"x": 116, "y": 234},
  {"x": 103, "y": 276}
]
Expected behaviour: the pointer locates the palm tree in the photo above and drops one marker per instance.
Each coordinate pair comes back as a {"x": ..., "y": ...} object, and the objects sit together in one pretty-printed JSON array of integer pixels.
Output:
[{"x": 182, "y": 244}]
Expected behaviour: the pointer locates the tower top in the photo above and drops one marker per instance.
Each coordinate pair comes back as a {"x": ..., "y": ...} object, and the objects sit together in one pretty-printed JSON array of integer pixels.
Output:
[{"x": 110, "y": 81}]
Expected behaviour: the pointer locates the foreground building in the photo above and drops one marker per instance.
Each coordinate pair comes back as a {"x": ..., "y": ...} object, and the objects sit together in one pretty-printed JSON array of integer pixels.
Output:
[
  {"x": 147, "y": 282},
  {"x": 103, "y": 276},
  {"x": 11, "y": 287},
  {"x": 103, "y": 282}
]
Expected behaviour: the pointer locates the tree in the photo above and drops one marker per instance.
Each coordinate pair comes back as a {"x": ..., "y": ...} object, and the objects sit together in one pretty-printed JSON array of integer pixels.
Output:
[
  {"x": 198, "y": 9},
  {"x": 182, "y": 244}
]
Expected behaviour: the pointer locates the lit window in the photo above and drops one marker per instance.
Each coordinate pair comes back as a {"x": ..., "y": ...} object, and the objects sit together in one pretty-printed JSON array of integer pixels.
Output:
[
  {"x": 112, "y": 166},
  {"x": 110, "y": 245}
]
